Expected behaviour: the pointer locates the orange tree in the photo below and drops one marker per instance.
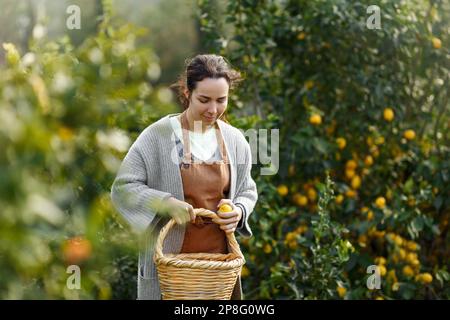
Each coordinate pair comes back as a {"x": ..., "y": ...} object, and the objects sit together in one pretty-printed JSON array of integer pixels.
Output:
[
  {"x": 67, "y": 116},
  {"x": 368, "y": 105}
]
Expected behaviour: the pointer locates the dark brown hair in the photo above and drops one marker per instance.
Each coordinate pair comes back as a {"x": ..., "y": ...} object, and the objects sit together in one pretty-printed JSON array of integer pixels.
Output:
[{"x": 204, "y": 66}]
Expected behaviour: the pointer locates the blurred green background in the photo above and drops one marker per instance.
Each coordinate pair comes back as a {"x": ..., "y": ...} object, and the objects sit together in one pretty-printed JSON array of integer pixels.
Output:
[{"x": 368, "y": 107}]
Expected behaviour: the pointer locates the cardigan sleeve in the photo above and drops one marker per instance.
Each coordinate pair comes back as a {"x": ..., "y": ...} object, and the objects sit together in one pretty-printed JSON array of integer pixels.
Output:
[
  {"x": 246, "y": 192},
  {"x": 131, "y": 195}
]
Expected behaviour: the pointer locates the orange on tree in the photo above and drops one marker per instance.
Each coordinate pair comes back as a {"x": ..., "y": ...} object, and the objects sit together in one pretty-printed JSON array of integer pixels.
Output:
[
  {"x": 389, "y": 194},
  {"x": 351, "y": 164},
  {"x": 375, "y": 151},
  {"x": 368, "y": 160},
  {"x": 300, "y": 199},
  {"x": 350, "y": 193},
  {"x": 245, "y": 272},
  {"x": 76, "y": 250},
  {"x": 408, "y": 271},
  {"x": 341, "y": 291},
  {"x": 379, "y": 140},
  {"x": 388, "y": 114},
  {"x": 312, "y": 194},
  {"x": 382, "y": 269},
  {"x": 282, "y": 190},
  {"x": 412, "y": 246},
  {"x": 267, "y": 248},
  {"x": 409, "y": 134},
  {"x": 437, "y": 43},
  {"x": 398, "y": 240},
  {"x": 349, "y": 173},
  {"x": 425, "y": 277},
  {"x": 356, "y": 182},
  {"x": 402, "y": 254},
  {"x": 380, "y": 202},
  {"x": 315, "y": 119},
  {"x": 339, "y": 198},
  {"x": 341, "y": 142}
]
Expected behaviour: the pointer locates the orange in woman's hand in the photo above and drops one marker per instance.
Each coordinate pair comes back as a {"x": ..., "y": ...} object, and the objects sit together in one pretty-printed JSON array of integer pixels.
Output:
[{"x": 225, "y": 208}]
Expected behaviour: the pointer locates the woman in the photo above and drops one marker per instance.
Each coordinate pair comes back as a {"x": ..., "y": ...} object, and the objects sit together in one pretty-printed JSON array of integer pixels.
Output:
[{"x": 186, "y": 161}]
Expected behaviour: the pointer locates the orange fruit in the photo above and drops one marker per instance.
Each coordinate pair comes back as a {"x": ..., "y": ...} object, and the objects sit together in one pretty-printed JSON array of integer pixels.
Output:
[
  {"x": 380, "y": 202},
  {"x": 351, "y": 164},
  {"x": 368, "y": 161},
  {"x": 341, "y": 142},
  {"x": 388, "y": 114},
  {"x": 341, "y": 291},
  {"x": 76, "y": 250},
  {"x": 339, "y": 198},
  {"x": 437, "y": 43},
  {"x": 282, "y": 190},
  {"x": 350, "y": 193},
  {"x": 409, "y": 134},
  {"x": 315, "y": 119},
  {"x": 426, "y": 277},
  {"x": 300, "y": 199},
  {"x": 349, "y": 173},
  {"x": 267, "y": 248},
  {"x": 225, "y": 208},
  {"x": 312, "y": 194},
  {"x": 356, "y": 182},
  {"x": 301, "y": 36}
]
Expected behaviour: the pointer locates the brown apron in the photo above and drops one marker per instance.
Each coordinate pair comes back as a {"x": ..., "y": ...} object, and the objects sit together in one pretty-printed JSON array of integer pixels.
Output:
[{"x": 204, "y": 185}]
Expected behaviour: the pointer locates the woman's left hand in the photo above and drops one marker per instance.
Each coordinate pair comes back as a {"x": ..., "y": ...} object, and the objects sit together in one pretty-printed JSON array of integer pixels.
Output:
[{"x": 228, "y": 221}]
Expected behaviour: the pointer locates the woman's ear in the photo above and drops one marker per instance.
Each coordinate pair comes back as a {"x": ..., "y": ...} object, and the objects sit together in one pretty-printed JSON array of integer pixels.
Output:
[{"x": 186, "y": 94}]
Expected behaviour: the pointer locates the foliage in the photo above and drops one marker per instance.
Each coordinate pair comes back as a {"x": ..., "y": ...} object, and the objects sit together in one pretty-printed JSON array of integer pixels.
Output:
[
  {"x": 67, "y": 116},
  {"x": 370, "y": 107}
]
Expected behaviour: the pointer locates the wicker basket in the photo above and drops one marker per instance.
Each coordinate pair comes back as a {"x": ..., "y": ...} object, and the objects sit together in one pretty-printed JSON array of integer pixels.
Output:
[{"x": 197, "y": 276}]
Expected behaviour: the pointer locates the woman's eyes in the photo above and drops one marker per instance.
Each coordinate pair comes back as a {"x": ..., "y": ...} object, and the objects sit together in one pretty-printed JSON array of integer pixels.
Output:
[{"x": 206, "y": 101}]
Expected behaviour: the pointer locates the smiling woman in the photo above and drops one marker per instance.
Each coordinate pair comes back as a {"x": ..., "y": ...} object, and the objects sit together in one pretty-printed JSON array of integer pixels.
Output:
[{"x": 211, "y": 169}]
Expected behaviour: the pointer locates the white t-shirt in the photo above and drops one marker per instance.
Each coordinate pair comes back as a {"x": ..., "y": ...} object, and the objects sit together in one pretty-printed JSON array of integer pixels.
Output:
[{"x": 203, "y": 145}]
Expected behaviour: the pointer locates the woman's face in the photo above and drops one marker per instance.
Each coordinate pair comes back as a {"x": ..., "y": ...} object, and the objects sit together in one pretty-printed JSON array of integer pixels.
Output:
[{"x": 208, "y": 101}]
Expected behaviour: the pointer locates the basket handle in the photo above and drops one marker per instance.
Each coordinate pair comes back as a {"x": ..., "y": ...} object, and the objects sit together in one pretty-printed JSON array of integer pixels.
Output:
[{"x": 200, "y": 212}]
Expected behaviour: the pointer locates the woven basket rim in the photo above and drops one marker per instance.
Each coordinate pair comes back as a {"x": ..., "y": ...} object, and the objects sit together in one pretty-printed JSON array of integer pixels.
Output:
[
  {"x": 181, "y": 262},
  {"x": 172, "y": 259}
]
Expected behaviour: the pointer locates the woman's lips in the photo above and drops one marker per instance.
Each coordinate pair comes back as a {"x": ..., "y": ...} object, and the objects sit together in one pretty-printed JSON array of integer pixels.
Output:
[{"x": 209, "y": 118}]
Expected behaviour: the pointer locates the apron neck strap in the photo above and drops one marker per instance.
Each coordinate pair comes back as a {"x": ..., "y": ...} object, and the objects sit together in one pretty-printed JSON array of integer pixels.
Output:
[{"x": 186, "y": 142}]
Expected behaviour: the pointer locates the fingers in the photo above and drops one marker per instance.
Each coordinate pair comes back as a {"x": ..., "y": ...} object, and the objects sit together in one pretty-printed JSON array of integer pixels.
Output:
[
  {"x": 177, "y": 219},
  {"x": 228, "y": 215},
  {"x": 221, "y": 221},
  {"x": 191, "y": 213},
  {"x": 225, "y": 201},
  {"x": 181, "y": 211},
  {"x": 180, "y": 217},
  {"x": 228, "y": 228}
]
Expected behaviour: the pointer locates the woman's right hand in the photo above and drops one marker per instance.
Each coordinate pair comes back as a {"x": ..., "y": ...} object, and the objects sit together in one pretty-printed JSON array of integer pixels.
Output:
[{"x": 180, "y": 211}]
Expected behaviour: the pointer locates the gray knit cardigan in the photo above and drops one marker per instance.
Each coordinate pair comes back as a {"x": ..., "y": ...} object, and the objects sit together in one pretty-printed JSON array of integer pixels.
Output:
[{"x": 150, "y": 173}]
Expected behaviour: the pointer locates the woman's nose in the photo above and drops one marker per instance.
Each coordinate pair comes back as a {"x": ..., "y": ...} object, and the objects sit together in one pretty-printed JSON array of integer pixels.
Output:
[{"x": 213, "y": 108}]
